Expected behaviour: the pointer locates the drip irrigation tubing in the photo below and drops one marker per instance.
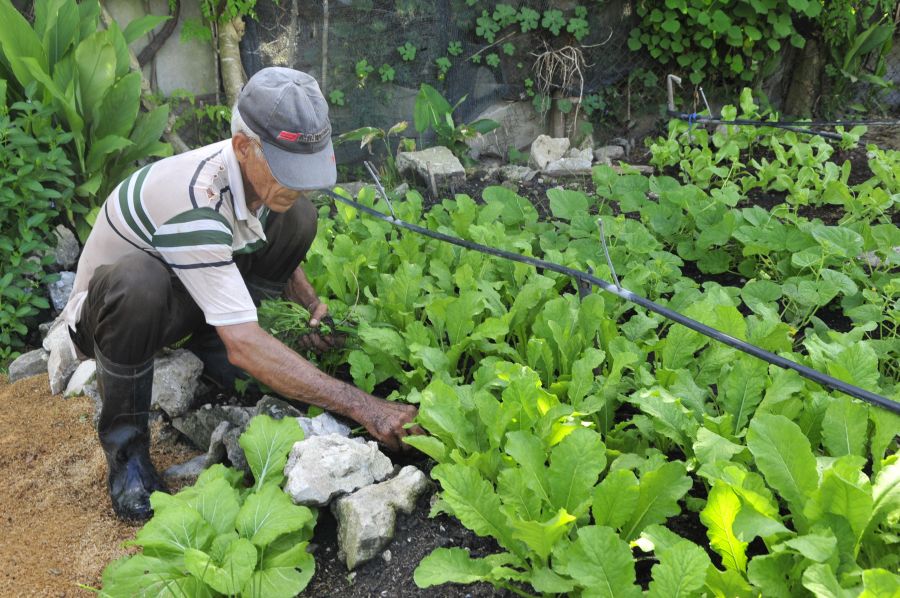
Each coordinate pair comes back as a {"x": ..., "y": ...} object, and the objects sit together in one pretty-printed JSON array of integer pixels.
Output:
[
  {"x": 584, "y": 277},
  {"x": 790, "y": 125}
]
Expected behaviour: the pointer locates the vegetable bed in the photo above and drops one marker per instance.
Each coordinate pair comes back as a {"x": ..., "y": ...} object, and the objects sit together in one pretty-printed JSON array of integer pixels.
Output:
[{"x": 578, "y": 432}]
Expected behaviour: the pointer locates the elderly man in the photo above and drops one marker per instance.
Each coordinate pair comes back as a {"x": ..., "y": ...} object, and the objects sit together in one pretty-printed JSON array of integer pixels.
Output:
[{"x": 189, "y": 245}]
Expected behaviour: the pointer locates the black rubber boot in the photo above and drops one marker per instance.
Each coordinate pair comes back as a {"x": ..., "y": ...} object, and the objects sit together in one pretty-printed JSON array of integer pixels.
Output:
[{"x": 125, "y": 436}]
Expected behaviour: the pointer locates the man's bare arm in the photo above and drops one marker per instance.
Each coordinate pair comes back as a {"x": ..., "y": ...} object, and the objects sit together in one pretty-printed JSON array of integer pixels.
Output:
[{"x": 264, "y": 357}]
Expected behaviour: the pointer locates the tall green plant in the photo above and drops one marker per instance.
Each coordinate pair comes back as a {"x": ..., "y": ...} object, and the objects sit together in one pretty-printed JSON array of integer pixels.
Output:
[
  {"x": 85, "y": 74},
  {"x": 35, "y": 183},
  {"x": 433, "y": 111}
]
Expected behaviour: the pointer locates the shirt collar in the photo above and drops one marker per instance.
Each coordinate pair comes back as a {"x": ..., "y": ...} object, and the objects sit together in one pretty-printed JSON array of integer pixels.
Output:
[{"x": 235, "y": 181}]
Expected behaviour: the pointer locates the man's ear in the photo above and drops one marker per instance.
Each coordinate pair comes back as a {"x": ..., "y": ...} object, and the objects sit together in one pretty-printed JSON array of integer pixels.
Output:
[{"x": 240, "y": 143}]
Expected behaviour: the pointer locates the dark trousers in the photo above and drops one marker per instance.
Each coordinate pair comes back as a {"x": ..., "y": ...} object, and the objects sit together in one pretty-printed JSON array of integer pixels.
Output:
[{"x": 137, "y": 306}]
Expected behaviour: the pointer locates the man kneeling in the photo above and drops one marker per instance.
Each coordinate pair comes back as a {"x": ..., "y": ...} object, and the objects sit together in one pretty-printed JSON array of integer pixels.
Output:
[{"x": 190, "y": 245}]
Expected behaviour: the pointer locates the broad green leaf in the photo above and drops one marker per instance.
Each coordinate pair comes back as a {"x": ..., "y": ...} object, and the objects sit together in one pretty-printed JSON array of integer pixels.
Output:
[
  {"x": 886, "y": 493},
  {"x": 474, "y": 502},
  {"x": 710, "y": 447},
  {"x": 441, "y": 414},
  {"x": 269, "y": 513},
  {"x": 718, "y": 516},
  {"x": 886, "y": 426},
  {"x": 117, "y": 112},
  {"x": 547, "y": 581},
  {"x": 615, "y": 499},
  {"x": 601, "y": 562},
  {"x": 173, "y": 530},
  {"x": 784, "y": 457},
  {"x": 680, "y": 345},
  {"x": 565, "y": 203},
  {"x": 771, "y": 574},
  {"x": 816, "y": 547},
  {"x": 266, "y": 443},
  {"x": 844, "y": 427},
  {"x": 583, "y": 377},
  {"x": 575, "y": 465},
  {"x": 669, "y": 417},
  {"x": 528, "y": 451},
  {"x": 450, "y": 565},
  {"x": 742, "y": 390},
  {"x": 228, "y": 577},
  {"x": 514, "y": 490},
  {"x": 140, "y": 27},
  {"x": 284, "y": 579},
  {"x": 96, "y": 59},
  {"x": 750, "y": 523},
  {"x": 880, "y": 583},
  {"x": 18, "y": 40},
  {"x": 681, "y": 571},
  {"x": 218, "y": 502},
  {"x": 660, "y": 491},
  {"x": 728, "y": 584},
  {"x": 429, "y": 445},
  {"x": 541, "y": 537},
  {"x": 857, "y": 364},
  {"x": 142, "y": 575},
  {"x": 821, "y": 581},
  {"x": 101, "y": 148}
]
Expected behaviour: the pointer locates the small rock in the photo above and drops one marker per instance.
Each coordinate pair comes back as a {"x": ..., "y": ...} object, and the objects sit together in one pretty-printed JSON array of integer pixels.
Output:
[
  {"x": 276, "y": 408},
  {"x": 188, "y": 471},
  {"x": 586, "y": 154},
  {"x": 400, "y": 190},
  {"x": 513, "y": 172},
  {"x": 546, "y": 149},
  {"x": 28, "y": 364},
  {"x": 608, "y": 153},
  {"x": 61, "y": 289},
  {"x": 85, "y": 373},
  {"x": 61, "y": 362},
  {"x": 322, "y": 467},
  {"x": 437, "y": 161},
  {"x": 568, "y": 167},
  {"x": 65, "y": 255},
  {"x": 233, "y": 449},
  {"x": 624, "y": 143},
  {"x": 366, "y": 518},
  {"x": 323, "y": 425},
  {"x": 175, "y": 380},
  {"x": 387, "y": 556},
  {"x": 519, "y": 124},
  {"x": 198, "y": 425},
  {"x": 45, "y": 327}
]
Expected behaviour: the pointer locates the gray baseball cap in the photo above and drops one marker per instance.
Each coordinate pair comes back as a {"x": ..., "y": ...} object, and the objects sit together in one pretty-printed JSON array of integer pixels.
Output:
[{"x": 287, "y": 110}]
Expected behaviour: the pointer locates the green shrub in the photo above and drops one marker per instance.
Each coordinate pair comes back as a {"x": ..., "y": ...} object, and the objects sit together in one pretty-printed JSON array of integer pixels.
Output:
[
  {"x": 35, "y": 184},
  {"x": 84, "y": 73}
]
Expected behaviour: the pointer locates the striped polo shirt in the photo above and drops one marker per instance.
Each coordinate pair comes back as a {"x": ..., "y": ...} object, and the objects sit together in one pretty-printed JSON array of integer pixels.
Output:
[{"x": 190, "y": 212}]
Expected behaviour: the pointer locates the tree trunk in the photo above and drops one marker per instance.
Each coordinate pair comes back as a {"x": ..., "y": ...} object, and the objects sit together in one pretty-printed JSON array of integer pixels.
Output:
[
  {"x": 806, "y": 80},
  {"x": 233, "y": 78}
]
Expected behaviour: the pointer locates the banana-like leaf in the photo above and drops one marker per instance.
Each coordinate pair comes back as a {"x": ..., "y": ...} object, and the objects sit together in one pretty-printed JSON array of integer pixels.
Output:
[
  {"x": 138, "y": 28},
  {"x": 18, "y": 41},
  {"x": 96, "y": 60},
  {"x": 117, "y": 113}
]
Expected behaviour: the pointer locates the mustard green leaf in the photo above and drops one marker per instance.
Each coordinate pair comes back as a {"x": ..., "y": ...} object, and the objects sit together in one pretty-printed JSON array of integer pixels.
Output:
[
  {"x": 771, "y": 574},
  {"x": 282, "y": 581},
  {"x": 742, "y": 389},
  {"x": 880, "y": 583},
  {"x": 718, "y": 516},
  {"x": 269, "y": 513},
  {"x": 821, "y": 581},
  {"x": 542, "y": 536},
  {"x": 530, "y": 454},
  {"x": 660, "y": 491},
  {"x": 615, "y": 499},
  {"x": 886, "y": 493},
  {"x": 601, "y": 562},
  {"x": 728, "y": 584},
  {"x": 844, "y": 491},
  {"x": 784, "y": 457},
  {"x": 266, "y": 443},
  {"x": 575, "y": 466},
  {"x": 231, "y": 574},
  {"x": 818, "y": 547},
  {"x": 844, "y": 427},
  {"x": 218, "y": 502},
  {"x": 451, "y": 565},
  {"x": 172, "y": 531},
  {"x": 710, "y": 447},
  {"x": 681, "y": 571},
  {"x": 142, "y": 575},
  {"x": 474, "y": 502}
]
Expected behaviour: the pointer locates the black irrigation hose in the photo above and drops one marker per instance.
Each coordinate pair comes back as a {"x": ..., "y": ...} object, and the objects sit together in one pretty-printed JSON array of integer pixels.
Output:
[
  {"x": 806, "y": 372},
  {"x": 784, "y": 123},
  {"x": 798, "y": 127}
]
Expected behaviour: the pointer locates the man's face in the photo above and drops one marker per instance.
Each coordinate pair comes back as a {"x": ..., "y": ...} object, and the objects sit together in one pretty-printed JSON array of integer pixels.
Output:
[{"x": 260, "y": 184}]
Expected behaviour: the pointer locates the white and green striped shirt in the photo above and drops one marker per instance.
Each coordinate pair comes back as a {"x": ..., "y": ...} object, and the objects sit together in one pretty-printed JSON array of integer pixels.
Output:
[{"x": 190, "y": 212}]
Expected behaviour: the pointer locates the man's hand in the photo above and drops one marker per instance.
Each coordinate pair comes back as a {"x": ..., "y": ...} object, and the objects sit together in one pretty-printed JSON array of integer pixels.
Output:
[
  {"x": 316, "y": 341},
  {"x": 386, "y": 422}
]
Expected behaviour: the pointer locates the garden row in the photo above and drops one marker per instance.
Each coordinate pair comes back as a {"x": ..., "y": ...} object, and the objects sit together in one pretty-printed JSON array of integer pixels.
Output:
[{"x": 581, "y": 433}]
